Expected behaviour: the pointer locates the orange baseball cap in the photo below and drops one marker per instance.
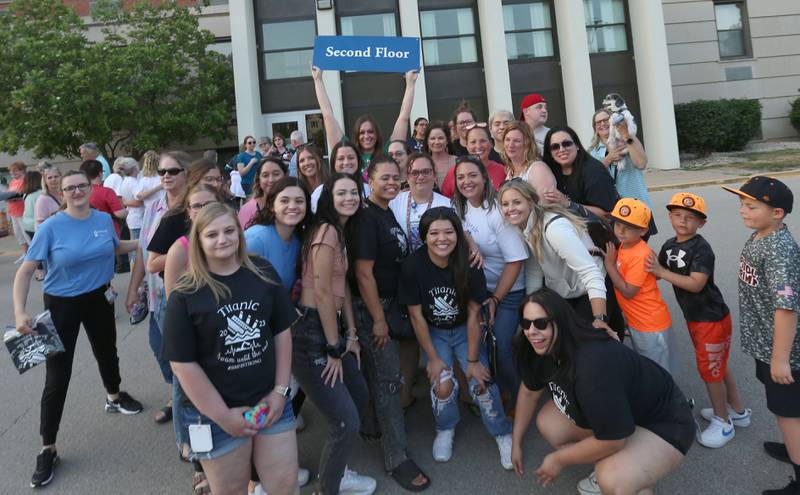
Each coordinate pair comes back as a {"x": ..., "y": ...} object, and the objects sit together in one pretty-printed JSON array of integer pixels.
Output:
[
  {"x": 688, "y": 201},
  {"x": 632, "y": 212}
]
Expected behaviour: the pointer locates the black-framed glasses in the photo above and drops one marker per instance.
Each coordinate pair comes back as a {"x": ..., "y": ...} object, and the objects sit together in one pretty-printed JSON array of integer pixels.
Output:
[
  {"x": 199, "y": 206},
  {"x": 465, "y": 123},
  {"x": 171, "y": 171},
  {"x": 539, "y": 323},
  {"x": 566, "y": 144},
  {"x": 77, "y": 187},
  {"x": 426, "y": 172}
]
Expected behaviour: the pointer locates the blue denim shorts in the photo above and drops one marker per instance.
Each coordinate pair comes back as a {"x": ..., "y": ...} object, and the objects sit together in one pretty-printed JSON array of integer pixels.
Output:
[{"x": 223, "y": 443}]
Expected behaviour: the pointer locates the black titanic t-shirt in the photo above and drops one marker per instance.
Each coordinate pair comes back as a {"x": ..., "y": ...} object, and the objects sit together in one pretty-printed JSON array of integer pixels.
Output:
[
  {"x": 376, "y": 236},
  {"x": 423, "y": 283},
  {"x": 588, "y": 184},
  {"x": 683, "y": 258},
  {"x": 233, "y": 340},
  {"x": 615, "y": 389},
  {"x": 169, "y": 230}
]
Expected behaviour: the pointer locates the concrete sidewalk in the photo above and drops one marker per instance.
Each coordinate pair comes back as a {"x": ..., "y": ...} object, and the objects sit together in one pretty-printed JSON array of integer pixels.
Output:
[{"x": 660, "y": 180}]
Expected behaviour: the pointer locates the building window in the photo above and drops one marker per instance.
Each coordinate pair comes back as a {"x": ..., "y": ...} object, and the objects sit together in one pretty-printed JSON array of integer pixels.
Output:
[
  {"x": 222, "y": 46},
  {"x": 369, "y": 25},
  {"x": 288, "y": 48},
  {"x": 605, "y": 25},
  {"x": 448, "y": 37},
  {"x": 731, "y": 27},
  {"x": 529, "y": 31}
]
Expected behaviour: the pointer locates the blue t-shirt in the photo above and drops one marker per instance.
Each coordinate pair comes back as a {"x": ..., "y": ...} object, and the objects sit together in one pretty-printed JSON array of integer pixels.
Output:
[
  {"x": 78, "y": 253},
  {"x": 244, "y": 158},
  {"x": 264, "y": 241},
  {"x": 629, "y": 181}
]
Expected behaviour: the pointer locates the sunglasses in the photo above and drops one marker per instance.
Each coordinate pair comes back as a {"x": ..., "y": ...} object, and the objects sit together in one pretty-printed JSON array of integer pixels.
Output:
[
  {"x": 566, "y": 144},
  {"x": 76, "y": 187},
  {"x": 251, "y": 142},
  {"x": 171, "y": 171},
  {"x": 539, "y": 323}
]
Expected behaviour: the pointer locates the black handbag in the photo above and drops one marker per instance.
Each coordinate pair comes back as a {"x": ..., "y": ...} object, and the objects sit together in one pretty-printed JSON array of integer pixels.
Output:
[{"x": 397, "y": 318}]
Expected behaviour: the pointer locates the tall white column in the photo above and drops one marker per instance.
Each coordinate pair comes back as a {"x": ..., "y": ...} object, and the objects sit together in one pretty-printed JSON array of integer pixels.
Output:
[
  {"x": 245, "y": 70},
  {"x": 654, "y": 82},
  {"x": 576, "y": 72},
  {"x": 409, "y": 26},
  {"x": 326, "y": 26},
  {"x": 495, "y": 57}
]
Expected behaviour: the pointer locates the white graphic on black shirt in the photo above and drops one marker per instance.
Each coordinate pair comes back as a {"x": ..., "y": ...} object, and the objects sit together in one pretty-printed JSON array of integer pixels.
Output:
[
  {"x": 560, "y": 399},
  {"x": 444, "y": 308},
  {"x": 402, "y": 241},
  {"x": 242, "y": 342},
  {"x": 676, "y": 258}
]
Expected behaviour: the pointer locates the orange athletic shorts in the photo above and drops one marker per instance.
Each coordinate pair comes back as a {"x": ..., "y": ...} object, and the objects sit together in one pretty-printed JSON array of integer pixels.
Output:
[{"x": 712, "y": 345}]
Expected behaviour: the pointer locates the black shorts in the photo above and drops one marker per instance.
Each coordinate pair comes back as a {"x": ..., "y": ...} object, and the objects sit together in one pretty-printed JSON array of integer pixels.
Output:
[
  {"x": 679, "y": 429},
  {"x": 782, "y": 400}
]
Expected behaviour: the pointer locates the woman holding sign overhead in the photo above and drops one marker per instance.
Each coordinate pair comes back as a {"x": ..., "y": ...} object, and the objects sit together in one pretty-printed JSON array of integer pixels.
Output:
[{"x": 367, "y": 133}]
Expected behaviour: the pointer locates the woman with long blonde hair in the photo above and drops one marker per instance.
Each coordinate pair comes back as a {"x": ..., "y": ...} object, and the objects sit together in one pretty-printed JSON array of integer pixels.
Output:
[
  {"x": 523, "y": 159},
  {"x": 563, "y": 256},
  {"x": 227, "y": 373}
]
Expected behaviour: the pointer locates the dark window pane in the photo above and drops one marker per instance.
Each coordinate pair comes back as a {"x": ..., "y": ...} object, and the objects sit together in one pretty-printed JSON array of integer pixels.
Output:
[
  {"x": 293, "y": 34},
  {"x": 369, "y": 25},
  {"x": 283, "y": 65},
  {"x": 447, "y": 22},
  {"x": 450, "y": 51},
  {"x": 529, "y": 45},
  {"x": 731, "y": 44}
]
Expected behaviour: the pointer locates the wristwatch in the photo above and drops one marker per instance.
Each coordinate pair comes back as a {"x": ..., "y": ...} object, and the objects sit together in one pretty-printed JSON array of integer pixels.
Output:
[
  {"x": 283, "y": 390},
  {"x": 335, "y": 351},
  {"x": 601, "y": 317}
]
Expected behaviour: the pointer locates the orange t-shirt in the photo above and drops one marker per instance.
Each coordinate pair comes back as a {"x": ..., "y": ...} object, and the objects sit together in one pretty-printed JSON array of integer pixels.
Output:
[
  {"x": 646, "y": 311},
  {"x": 16, "y": 207}
]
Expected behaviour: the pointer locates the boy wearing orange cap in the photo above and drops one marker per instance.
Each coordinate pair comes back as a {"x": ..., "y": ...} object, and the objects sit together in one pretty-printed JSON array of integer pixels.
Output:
[
  {"x": 645, "y": 311},
  {"x": 769, "y": 301},
  {"x": 687, "y": 262}
]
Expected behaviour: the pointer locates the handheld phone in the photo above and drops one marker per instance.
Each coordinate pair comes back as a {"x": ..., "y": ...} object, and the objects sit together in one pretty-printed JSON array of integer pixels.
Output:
[{"x": 257, "y": 415}]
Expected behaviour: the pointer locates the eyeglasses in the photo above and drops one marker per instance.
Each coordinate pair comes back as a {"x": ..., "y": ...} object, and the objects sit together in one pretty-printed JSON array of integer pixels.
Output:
[
  {"x": 427, "y": 172},
  {"x": 477, "y": 124},
  {"x": 218, "y": 180},
  {"x": 566, "y": 144},
  {"x": 539, "y": 323},
  {"x": 250, "y": 142},
  {"x": 465, "y": 122},
  {"x": 601, "y": 123},
  {"x": 171, "y": 171},
  {"x": 199, "y": 206},
  {"x": 77, "y": 187}
]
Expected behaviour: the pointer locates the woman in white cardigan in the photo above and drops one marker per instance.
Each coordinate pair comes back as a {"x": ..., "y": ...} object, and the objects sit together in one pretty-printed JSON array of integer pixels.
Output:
[{"x": 563, "y": 256}]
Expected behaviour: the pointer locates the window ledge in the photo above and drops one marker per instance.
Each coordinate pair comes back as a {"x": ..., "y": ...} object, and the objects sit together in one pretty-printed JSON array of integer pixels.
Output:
[{"x": 737, "y": 59}]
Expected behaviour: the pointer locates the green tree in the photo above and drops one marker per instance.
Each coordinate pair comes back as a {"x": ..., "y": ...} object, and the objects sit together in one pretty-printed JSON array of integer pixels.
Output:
[{"x": 148, "y": 82}]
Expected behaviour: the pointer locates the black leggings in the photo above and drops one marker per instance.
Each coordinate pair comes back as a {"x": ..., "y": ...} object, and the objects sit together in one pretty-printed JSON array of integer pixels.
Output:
[{"x": 97, "y": 315}]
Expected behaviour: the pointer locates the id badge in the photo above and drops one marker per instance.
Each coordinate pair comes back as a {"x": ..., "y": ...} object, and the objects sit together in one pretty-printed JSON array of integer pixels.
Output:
[
  {"x": 110, "y": 294},
  {"x": 200, "y": 438}
]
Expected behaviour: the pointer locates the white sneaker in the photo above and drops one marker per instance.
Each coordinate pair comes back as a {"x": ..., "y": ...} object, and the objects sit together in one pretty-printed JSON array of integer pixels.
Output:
[
  {"x": 355, "y": 484},
  {"x": 589, "y": 486},
  {"x": 739, "y": 419},
  {"x": 504, "y": 445},
  {"x": 299, "y": 424},
  {"x": 443, "y": 445},
  {"x": 303, "y": 475},
  {"x": 718, "y": 433}
]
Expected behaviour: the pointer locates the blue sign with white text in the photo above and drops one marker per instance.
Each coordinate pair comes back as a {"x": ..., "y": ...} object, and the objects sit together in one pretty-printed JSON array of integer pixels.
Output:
[{"x": 367, "y": 53}]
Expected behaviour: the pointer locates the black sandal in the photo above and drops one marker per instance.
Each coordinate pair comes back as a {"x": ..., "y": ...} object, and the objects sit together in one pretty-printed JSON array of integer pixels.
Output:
[
  {"x": 164, "y": 415},
  {"x": 406, "y": 473}
]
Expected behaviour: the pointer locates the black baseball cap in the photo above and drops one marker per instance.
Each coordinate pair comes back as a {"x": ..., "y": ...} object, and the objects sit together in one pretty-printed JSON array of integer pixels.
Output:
[{"x": 767, "y": 190}]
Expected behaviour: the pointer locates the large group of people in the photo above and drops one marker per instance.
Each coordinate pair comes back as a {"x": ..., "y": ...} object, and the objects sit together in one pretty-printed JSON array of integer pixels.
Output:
[{"x": 502, "y": 257}]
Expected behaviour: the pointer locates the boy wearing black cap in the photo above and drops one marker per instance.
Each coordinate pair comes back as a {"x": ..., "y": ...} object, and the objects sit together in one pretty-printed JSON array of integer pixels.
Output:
[
  {"x": 769, "y": 281},
  {"x": 687, "y": 262}
]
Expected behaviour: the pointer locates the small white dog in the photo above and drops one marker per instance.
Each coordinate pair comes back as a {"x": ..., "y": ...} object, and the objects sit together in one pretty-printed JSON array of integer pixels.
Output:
[{"x": 618, "y": 111}]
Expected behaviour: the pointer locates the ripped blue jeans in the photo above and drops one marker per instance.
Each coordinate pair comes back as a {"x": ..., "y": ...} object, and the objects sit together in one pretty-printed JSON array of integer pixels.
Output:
[{"x": 451, "y": 345}]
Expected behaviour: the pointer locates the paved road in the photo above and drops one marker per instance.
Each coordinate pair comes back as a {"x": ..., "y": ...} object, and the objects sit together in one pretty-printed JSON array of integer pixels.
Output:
[{"x": 109, "y": 454}]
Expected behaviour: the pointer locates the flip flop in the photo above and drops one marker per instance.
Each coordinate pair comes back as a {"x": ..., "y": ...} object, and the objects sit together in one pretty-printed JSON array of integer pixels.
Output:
[
  {"x": 164, "y": 415},
  {"x": 406, "y": 473}
]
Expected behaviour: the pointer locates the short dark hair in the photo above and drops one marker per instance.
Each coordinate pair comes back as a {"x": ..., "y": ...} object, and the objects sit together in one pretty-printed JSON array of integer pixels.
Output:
[
  {"x": 32, "y": 182},
  {"x": 92, "y": 168},
  {"x": 420, "y": 119}
]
